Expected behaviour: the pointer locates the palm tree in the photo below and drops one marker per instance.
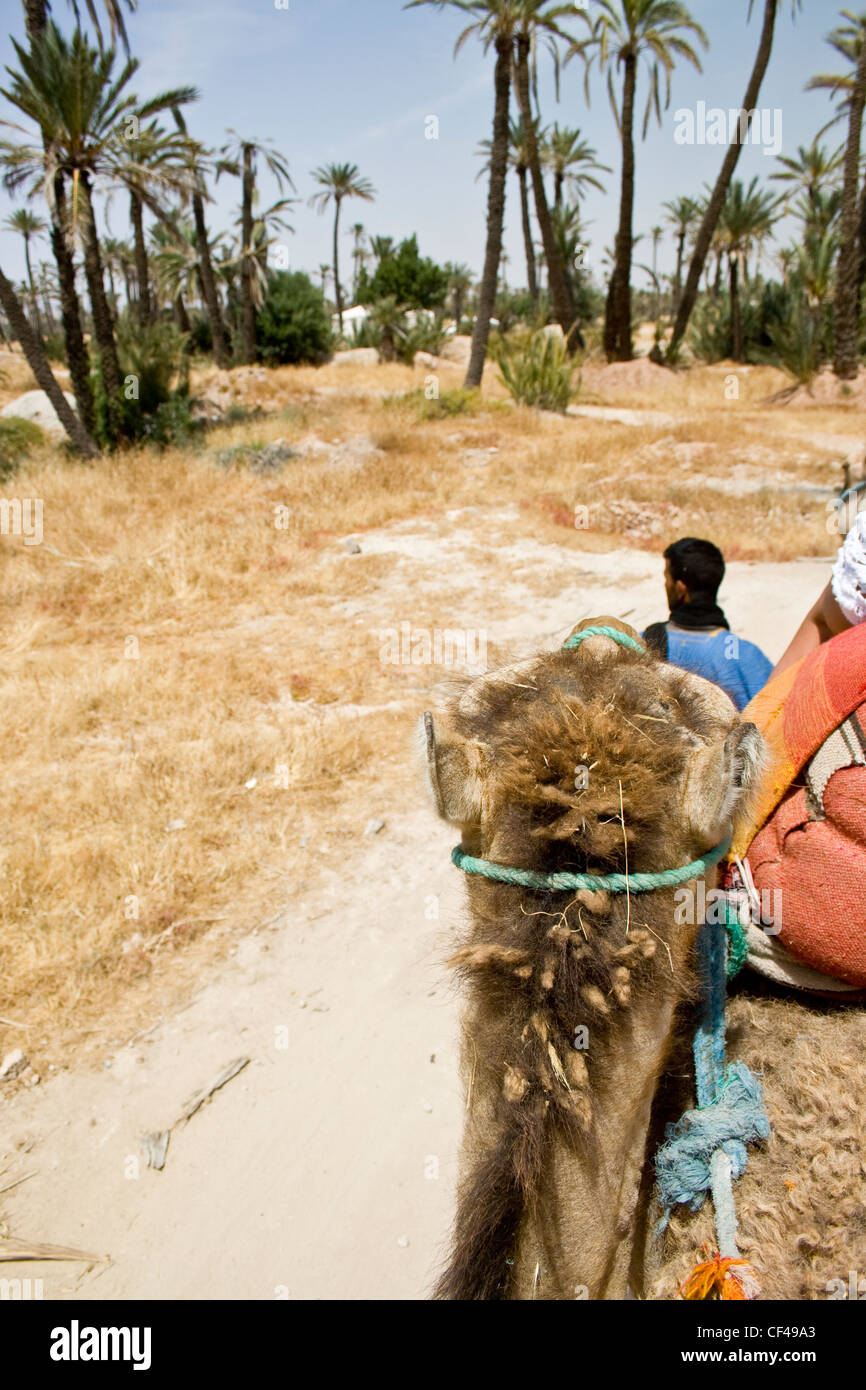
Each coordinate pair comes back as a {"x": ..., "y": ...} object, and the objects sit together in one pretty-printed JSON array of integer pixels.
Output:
[
  {"x": 201, "y": 163},
  {"x": 36, "y": 18},
  {"x": 382, "y": 247},
  {"x": 148, "y": 163},
  {"x": 72, "y": 95},
  {"x": 25, "y": 222},
  {"x": 571, "y": 159},
  {"x": 337, "y": 182},
  {"x": 539, "y": 20},
  {"x": 682, "y": 213},
  {"x": 716, "y": 200},
  {"x": 459, "y": 285},
  {"x": 242, "y": 156},
  {"x": 518, "y": 159},
  {"x": 810, "y": 170},
  {"x": 850, "y": 41},
  {"x": 624, "y": 32},
  {"x": 748, "y": 216},
  {"x": 358, "y": 255},
  {"x": 656, "y": 233},
  {"x": 38, "y": 362},
  {"x": 495, "y": 24},
  {"x": 324, "y": 271}
]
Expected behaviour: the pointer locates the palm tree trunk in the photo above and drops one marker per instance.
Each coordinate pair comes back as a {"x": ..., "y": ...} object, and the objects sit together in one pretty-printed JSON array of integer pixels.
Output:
[
  {"x": 617, "y": 321},
  {"x": 558, "y": 181},
  {"x": 38, "y": 362},
  {"x": 678, "y": 279},
  {"x": 847, "y": 323},
  {"x": 736, "y": 317},
  {"x": 560, "y": 286},
  {"x": 495, "y": 213},
  {"x": 144, "y": 308},
  {"x": 208, "y": 281},
  {"x": 713, "y": 211},
  {"x": 77, "y": 358},
  {"x": 33, "y": 297},
  {"x": 338, "y": 293},
  {"x": 861, "y": 247},
  {"x": 103, "y": 325},
  {"x": 531, "y": 279},
  {"x": 35, "y": 17},
  {"x": 717, "y": 283},
  {"x": 248, "y": 313},
  {"x": 181, "y": 317}
]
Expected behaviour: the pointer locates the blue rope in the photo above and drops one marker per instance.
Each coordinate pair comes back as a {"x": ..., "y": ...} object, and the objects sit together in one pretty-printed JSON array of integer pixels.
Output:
[
  {"x": 706, "y": 1149},
  {"x": 605, "y": 883}
]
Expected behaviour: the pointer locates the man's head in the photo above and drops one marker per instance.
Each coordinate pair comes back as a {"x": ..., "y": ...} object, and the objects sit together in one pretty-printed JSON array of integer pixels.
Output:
[{"x": 694, "y": 569}]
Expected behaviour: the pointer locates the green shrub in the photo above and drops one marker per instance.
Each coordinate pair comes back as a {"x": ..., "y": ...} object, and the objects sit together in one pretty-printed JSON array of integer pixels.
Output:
[
  {"x": 17, "y": 438},
  {"x": 293, "y": 324},
  {"x": 457, "y": 401},
  {"x": 538, "y": 372},
  {"x": 153, "y": 353}
]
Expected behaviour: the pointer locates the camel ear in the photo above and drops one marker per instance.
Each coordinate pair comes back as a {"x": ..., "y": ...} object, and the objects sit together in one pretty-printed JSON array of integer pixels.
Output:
[
  {"x": 720, "y": 779},
  {"x": 452, "y": 768}
]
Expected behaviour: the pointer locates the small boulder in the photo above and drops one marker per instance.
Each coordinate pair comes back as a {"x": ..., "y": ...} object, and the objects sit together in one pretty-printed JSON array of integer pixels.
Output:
[
  {"x": 357, "y": 357},
  {"x": 457, "y": 349},
  {"x": 13, "y": 1064},
  {"x": 35, "y": 406}
]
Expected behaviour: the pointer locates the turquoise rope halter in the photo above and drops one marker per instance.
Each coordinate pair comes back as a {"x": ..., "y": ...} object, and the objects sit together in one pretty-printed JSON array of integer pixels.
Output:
[{"x": 605, "y": 883}]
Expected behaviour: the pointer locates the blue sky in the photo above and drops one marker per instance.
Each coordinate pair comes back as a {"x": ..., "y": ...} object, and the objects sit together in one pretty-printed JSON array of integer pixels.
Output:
[{"x": 355, "y": 80}]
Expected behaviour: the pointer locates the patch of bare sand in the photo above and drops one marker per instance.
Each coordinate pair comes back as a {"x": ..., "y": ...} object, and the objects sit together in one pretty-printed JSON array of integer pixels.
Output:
[{"x": 826, "y": 389}]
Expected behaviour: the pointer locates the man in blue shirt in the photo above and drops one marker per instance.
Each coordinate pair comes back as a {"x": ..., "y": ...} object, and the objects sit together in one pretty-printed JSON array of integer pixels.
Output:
[{"x": 696, "y": 636}]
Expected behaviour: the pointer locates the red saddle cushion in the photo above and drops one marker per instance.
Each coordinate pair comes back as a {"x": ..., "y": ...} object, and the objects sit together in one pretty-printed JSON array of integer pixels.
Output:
[{"x": 814, "y": 871}]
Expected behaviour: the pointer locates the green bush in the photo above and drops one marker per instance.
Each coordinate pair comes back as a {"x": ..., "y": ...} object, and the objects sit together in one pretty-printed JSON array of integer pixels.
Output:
[
  {"x": 457, "y": 401},
  {"x": 153, "y": 353},
  {"x": 293, "y": 324},
  {"x": 537, "y": 372},
  {"x": 407, "y": 276},
  {"x": 17, "y": 438}
]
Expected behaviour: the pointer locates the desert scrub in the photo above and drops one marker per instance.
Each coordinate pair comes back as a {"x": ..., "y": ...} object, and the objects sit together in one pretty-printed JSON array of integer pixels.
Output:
[
  {"x": 538, "y": 372},
  {"x": 17, "y": 438}
]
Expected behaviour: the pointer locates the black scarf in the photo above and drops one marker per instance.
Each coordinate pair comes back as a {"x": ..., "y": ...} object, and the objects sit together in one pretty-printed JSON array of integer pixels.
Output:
[{"x": 698, "y": 613}]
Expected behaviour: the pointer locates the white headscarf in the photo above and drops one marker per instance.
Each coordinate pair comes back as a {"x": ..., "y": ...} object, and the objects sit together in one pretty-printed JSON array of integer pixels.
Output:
[{"x": 849, "y": 573}]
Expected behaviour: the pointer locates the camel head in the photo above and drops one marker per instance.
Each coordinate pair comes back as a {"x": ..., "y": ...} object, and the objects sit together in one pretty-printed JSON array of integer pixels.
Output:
[{"x": 593, "y": 760}]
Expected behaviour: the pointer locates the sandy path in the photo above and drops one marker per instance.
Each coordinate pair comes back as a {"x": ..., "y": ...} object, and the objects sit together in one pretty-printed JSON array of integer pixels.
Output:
[{"x": 312, "y": 1174}]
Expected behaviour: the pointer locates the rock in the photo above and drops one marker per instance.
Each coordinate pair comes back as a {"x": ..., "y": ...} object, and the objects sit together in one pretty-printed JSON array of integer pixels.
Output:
[
  {"x": 179, "y": 824},
  {"x": 457, "y": 349},
  {"x": 374, "y": 826},
  {"x": 403, "y": 1242},
  {"x": 35, "y": 406},
  {"x": 357, "y": 357},
  {"x": 352, "y": 546},
  {"x": 206, "y": 410},
  {"x": 13, "y": 1064}
]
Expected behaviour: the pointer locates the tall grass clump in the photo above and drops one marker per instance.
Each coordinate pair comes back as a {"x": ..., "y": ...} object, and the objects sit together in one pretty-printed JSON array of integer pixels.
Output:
[{"x": 538, "y": 372}]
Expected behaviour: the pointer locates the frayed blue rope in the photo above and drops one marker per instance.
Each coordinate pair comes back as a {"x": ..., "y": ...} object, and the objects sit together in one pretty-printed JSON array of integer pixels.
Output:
[{"x": 706, "y": 1149}]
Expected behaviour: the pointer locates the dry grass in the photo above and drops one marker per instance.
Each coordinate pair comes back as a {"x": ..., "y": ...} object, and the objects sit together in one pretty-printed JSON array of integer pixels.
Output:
[{"x": 177, "y": 637}]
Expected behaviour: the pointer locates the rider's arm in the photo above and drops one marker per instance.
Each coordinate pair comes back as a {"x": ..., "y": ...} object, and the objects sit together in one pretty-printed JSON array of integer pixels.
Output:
[{"x": 823, "y": 621}]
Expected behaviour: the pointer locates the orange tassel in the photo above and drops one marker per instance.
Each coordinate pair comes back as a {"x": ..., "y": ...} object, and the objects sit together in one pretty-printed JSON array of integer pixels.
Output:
[{"x": 721, "y": 1278}]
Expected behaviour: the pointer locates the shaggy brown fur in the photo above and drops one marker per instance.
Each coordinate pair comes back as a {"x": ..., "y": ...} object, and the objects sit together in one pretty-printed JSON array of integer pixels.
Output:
[
  {"x": 552, "y": 1130},
  {"x": 801, "y": 1203}
]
